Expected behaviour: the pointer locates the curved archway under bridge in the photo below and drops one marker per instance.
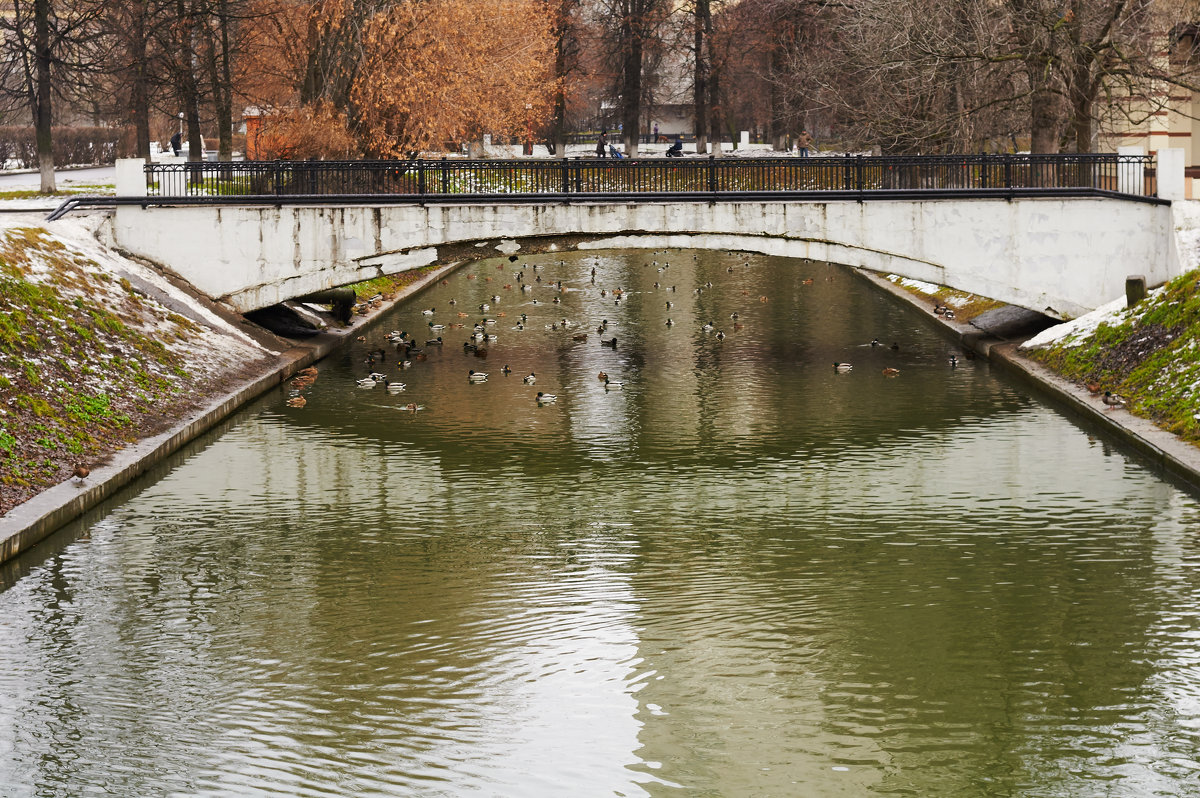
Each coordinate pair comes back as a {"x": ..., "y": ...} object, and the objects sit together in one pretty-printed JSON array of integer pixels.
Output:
[{"x": 1062, "y": 256}]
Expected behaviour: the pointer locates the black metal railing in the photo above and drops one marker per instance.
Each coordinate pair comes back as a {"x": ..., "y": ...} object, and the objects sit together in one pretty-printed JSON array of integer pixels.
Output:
[{"x": 652, "y": 178}]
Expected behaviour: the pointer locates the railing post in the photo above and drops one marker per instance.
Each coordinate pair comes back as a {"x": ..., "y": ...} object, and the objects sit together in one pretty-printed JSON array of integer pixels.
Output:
[
  {"x": 445, "y": 176},
  {"x": 858, "y": 173},
  {"x": 421, "y": 176},
  {"x": 712, "y": 174},
  {"x": 983, "y": 171},
  {"x": 565, "y": 169},
  {"x": 1007, "y": 170}
]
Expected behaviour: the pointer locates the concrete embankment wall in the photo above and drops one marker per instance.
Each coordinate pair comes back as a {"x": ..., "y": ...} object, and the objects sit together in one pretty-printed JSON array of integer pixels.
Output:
[{"x": 1061, "y": 257}]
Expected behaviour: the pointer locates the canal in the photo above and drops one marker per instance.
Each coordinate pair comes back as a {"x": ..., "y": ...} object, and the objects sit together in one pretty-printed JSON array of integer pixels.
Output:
[{"x": 743, "y": 574}]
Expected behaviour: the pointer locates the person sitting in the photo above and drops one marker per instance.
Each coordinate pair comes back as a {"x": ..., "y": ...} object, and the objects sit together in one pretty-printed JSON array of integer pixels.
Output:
[{"x": 676, "y": 149}]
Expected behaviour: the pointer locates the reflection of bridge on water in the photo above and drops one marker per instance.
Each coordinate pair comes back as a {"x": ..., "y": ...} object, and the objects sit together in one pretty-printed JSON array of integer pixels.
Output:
[{"x": 1055, "y": 233}]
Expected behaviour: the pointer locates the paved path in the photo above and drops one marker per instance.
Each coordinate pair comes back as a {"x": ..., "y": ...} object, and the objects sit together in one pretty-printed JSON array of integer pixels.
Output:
[{"x": 62, "y": 177}]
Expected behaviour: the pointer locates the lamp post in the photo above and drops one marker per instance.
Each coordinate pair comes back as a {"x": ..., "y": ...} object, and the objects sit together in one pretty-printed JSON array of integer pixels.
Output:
[{"x": 181, "y": 125}]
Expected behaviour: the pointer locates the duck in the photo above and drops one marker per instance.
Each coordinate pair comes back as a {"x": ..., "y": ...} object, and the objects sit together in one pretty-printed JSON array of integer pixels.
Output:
[
  {"x": 734, "y": 316},
  {"x": 530, "y": 378},
  {"x": 393, "y": 387},
  {"x": 436, "y": 327},
  {"x": 874, "y": 342},
  {"x": 609, "y": 385},
  {"x": 81, "y": 471},
  {"x": 297, "y": 401},
  {"x": 602, "y": 376},
  {"x": 476, "y": 376},
  {"x": 1113, "y": 400},
  {"x": 427, "y": 312},
  {"x": 842, "y": 368},
  {"x": 405, "y": 364},
  {"x": 895, "y": 346},
  {"x": 954, "y": 363},
  {"x": 579, "y": 337},
  {"x": 485, "y": 307},
  {"x": 546, "y": 398},
  {"x": 890, "y": 372},
  {"x": 949, "y": 314},
  {"x": 720, "y": 335},
  {"x": 366, "y": 382},
  {"x": 434, "y": 341},
  {"x": 506, "y": 370},
  {"x": 938, "y": 310},
  {"x": 708, "y": 327},
  {"x": 670, "y": 323},
  {"x": 611, "y": 343}
]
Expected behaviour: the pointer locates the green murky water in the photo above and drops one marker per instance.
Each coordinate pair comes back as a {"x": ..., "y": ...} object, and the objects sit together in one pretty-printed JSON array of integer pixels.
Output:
[{"x": 743, "y": 574}]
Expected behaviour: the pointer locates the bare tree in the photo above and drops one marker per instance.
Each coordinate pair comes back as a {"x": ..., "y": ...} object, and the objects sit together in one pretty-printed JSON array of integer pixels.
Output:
[
  {"x": 632, "y": 29},
  {"x": 47, "y": 46}
]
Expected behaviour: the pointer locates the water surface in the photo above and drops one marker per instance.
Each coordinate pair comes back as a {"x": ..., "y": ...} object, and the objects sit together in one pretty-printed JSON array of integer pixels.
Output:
[{"x": 744, "y": 574}]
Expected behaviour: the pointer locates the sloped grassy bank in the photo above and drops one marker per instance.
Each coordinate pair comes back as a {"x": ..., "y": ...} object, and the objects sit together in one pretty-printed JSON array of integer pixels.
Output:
[
  {"x": 90, "y": 362},
  {"x": 1149, "y": 354}
]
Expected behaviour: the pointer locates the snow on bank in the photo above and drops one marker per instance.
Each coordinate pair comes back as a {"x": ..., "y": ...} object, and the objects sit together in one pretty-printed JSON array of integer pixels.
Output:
[
  {"x": 951, "y": 297},
  {"x": 212, "y": 346},
  {"x": 1079, "y": 328}
]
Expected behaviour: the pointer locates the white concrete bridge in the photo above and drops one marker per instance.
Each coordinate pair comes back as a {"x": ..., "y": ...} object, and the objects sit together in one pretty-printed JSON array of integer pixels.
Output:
[{"x": 1060, "y": 255}]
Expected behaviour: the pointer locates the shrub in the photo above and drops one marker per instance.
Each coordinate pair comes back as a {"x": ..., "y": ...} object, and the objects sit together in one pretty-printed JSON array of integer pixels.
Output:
[{"x": 72, "y": 146}]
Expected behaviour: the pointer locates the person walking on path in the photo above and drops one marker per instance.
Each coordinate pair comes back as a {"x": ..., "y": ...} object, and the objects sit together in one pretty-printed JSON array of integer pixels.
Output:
[
  {"x": 602, "y": 144},
  {"x": 804, "y": 142}
]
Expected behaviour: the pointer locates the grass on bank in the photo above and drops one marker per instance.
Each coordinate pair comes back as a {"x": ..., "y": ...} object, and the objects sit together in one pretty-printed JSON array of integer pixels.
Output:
[
  {"x": 1149, "y": 354},
  {"x": 82, "y": 356}
]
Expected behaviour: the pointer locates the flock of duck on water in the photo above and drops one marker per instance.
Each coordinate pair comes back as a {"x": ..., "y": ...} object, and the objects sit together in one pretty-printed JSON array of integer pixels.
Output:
[{"x": 409, "y": 349}]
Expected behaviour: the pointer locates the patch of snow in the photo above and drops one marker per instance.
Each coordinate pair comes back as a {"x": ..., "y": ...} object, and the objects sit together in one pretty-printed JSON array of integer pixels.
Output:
[
  {"x": 1083, "y": 326},
  {"x": 916, "y": 285},
  {"x": 211, "y": 347}
]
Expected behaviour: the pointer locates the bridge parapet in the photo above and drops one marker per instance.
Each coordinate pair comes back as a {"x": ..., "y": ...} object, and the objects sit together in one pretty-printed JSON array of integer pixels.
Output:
[
  {"x": 654, "y": 179},
  {"x": 1052, "y": 247}
]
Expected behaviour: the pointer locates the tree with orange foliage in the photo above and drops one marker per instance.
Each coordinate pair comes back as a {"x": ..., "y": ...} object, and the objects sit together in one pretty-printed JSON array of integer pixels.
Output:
[
  {"x": 312, "y": 131},
  {"x": 443, "y": 72}
]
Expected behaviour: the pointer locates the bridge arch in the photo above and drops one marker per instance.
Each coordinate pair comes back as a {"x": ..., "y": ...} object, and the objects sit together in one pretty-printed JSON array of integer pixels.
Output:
[{"x": 1060, "y": 256}]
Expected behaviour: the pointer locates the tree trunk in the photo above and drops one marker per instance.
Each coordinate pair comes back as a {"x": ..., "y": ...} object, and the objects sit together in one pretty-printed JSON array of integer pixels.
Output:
[
  {"x": 139, "y": 79},
  {"x": 632, "y": 25},
  {"x": 562, "y": 47},
  {"x": 224, "y": 94},
  {"x": 700, "y": 98},
  {"x": 216, "y": 60},
  {"x": 714, "y": 107},
  {"x": 42, "y": 116},
  {"x": 1044, "y": 116},
  {"x": 777, "y": 126}
]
